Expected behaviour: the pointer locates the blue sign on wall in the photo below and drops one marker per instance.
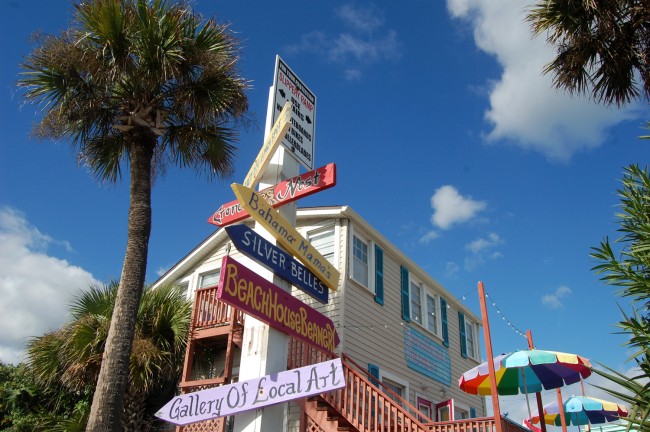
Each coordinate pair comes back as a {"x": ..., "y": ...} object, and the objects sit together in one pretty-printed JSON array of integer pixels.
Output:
[
  {"x": 426, "y": 356},
  {"x": 278, "y": 261}
]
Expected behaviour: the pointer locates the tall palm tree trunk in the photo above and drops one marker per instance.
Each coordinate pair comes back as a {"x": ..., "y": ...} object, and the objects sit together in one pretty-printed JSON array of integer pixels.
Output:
[{"x": 113, "y": 376}]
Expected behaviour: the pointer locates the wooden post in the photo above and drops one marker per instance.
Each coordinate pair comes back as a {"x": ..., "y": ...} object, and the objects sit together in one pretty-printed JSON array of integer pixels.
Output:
[
  {"x": 560, "y": 405},
  {"x": 490, "y": 358},
  {"x": 538, "y": 395}
]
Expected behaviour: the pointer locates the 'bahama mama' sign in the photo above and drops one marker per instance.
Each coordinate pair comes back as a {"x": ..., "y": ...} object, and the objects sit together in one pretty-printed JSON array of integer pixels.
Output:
[
  {"x": 244, "y": 289},
  {"x": 286, "y": 234},
  {"x": 255, "y": 393}
]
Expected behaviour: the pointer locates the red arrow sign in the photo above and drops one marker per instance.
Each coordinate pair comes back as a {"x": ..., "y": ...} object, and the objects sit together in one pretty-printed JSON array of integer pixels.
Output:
[{"x": 283, "y": 193}]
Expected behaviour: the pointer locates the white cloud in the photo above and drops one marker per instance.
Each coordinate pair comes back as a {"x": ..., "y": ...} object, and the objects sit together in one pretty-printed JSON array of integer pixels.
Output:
[
  {"x": 482, "y": 250},
  {"x": 36, "y": 288},
  {"x": 481, "y": 244},
  {"x": 451, "y": 268},
  {"x": 429, "y": 236},
  {"x": 449, "y": 207},
  {"x": 525, "y": 110},
  {"x": 554, "y": 300},
  {"x": 357, "y": 47}
]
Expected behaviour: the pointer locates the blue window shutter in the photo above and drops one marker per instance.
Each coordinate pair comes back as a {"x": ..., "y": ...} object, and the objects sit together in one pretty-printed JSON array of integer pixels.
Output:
[
  {"x": 379, "y": 275},
  {"x": 463, "y": 341},
  {"x": 373, "y": 370},
  {"x": 443, "y": 318},
  {"x": 472, "y": 412},
  {"x": 406, "y": 305}
]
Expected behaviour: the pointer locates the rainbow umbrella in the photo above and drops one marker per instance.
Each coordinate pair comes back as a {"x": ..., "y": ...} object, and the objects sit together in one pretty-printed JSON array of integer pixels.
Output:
[
  {"x": 526, "y": 371},
  {"x": 582, "y": 410}
]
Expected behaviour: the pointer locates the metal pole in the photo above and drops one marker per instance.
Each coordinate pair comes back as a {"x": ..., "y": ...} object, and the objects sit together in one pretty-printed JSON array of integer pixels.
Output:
[{"x": 490, "y": 358}]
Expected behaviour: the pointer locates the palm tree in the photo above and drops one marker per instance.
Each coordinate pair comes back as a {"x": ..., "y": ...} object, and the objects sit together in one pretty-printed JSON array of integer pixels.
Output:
[
  {"x": 146, "y": 84},
  {"x": 71, "y": 356},
  {"x": 603, "y": 47}
]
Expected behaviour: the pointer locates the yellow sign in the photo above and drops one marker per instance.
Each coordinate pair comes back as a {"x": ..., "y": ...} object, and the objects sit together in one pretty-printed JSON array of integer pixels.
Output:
[
  {"x": 271, "y": 144},
  {"x": 281, "y": 229}
]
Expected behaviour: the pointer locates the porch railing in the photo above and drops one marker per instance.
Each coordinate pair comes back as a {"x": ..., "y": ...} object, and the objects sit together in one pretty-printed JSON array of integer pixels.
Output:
[{"x": 210, "y": 311}]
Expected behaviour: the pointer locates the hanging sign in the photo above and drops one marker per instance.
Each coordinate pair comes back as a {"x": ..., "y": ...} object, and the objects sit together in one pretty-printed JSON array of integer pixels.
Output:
[
  {"x": 283, "y": 193},
  {"x": 255, "y": 393},
  {"x": 287, "y": 87},
  {"x": 287, "y": 235},
  {"x": 278, "y": 261},
  {"x": 244, "y": 289},
  {"x": 271, "y": 144}
]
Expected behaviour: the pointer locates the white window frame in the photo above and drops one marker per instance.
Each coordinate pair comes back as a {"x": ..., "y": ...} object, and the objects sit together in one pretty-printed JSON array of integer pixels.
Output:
[
  {"x": 426, "y": 317},
  {"x": 473, "y": 353},
  {"x": 370, "y": 286},
  {"x": 459, "y": 406},
  {"x": 396, "y": 379}
]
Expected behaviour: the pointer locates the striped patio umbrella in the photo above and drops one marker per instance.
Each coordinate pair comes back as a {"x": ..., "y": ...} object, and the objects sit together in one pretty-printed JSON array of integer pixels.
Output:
[{"x": 582, "y": 410}]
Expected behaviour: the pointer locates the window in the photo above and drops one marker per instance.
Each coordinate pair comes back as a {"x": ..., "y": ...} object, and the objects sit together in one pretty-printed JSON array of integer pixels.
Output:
[
  {"x": 424, "y": 306},
  {"x": 396, "y": 387},
  {"x": 209, "y": 279},
  {"x": 470, "y": 336},
  {"x": 182, "y": 287},
  {"x": 360, "y": 269},
  {"x": 416, "y": 302},
  {"x": 432, "y": 318}
]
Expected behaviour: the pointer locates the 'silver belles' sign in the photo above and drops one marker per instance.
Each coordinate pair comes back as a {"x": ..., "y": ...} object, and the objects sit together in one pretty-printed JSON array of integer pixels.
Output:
[
  {"x": 281, "y": 229},
  {"x": 256, "y": 247},
  {"x": 271, "y": 144},
  {"x": 244, "y": 289},
  {"x": 254, "y": 393},
  {"x": 282, "y": 193}
]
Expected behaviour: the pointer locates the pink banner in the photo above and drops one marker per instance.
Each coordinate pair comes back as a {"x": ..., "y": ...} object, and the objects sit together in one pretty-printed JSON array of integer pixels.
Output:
[{"x": 246, "y": 290}]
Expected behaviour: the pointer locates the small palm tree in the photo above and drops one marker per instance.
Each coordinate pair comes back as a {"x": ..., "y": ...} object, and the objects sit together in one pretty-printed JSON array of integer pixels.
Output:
[
  {"x": 603, "y": 47},
  {"x": 71, "y": 356},
  {"x": 146, "y": 84}
]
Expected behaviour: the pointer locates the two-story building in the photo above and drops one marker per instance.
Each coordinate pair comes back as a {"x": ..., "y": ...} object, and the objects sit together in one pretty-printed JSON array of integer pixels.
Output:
[{"x": 401, "y": 331}]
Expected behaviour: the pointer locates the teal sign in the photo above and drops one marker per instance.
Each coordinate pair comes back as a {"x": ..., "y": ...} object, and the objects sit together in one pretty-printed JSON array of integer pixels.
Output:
[{"x": 426, "y": 356}]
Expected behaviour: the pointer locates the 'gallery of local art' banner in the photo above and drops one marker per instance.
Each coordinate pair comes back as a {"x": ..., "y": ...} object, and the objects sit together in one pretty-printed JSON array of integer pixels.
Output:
[{"x": 253, "y": 394}]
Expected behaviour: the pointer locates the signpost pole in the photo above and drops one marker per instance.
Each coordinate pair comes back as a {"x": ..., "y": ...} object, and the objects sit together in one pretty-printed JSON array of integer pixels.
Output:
[{"x": 264, "y": 349}]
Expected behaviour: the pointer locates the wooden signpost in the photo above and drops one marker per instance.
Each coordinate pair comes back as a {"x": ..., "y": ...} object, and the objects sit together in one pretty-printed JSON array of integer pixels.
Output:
[
  {"x": 256, "y": 247},
  {"x": 254, "y": 393},
  {"x": 283, "y": 193},
  {"x": 244, "y": 289},
  {"x": 287, "y": 235}
]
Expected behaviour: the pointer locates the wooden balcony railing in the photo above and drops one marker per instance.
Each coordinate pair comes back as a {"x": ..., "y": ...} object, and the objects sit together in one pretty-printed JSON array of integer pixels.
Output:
[
  {"x": 370, "y": 406},
  {"x": 210, "y": 311}
]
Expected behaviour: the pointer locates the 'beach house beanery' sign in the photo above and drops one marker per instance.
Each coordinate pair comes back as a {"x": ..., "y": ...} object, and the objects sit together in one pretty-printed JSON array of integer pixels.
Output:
[
  {"x": 244, "y": 289},
  {"x": 286, "y": 234},
  {"x": 255, "y": 393}
]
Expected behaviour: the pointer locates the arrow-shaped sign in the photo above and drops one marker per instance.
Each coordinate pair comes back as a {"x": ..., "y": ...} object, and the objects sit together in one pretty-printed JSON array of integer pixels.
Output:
[
  {"x": 286, "y": 234},
  {"x": 254, "y": 393},
  {"x": 278, "y": 261},
  {"x": 283, "y": 193}
]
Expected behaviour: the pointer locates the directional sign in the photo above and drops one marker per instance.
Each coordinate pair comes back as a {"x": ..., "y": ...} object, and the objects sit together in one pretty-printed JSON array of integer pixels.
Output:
[
  {"x": 278, "y": 261},
  {"x": 244, "y": 289},
  {"x": 281, "y": 229},
  {"x": 271, "y": 144},
  {"x": 287, "y": 87},
  {"x": 283, "y": 193},
  {"x": 254, "y": 393}
]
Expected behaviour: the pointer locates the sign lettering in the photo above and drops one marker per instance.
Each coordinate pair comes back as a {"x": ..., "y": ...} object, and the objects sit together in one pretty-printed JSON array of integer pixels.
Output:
[
  {"x": 283, "y": 193},
  {"x": 244, "y": 289},
  {"x": 278, "y": 261},
  {"x": 254, "y": 393},
  {"x": 287, "y": 235}
]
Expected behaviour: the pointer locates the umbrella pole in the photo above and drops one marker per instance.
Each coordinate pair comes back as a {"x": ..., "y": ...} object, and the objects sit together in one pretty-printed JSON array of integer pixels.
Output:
[
  {"x": 560, "y": 405},
  {"x": 523, "y": 377},
  {"x": 538, "y": 395},
  {"x": 490, "y": 359}
]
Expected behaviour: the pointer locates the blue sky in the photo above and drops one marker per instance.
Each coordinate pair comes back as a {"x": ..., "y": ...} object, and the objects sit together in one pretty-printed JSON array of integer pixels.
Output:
[{"x": 446, "y": 137}]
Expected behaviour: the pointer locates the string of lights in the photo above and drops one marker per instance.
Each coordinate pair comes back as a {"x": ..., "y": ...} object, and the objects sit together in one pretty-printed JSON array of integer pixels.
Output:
[{"x": 503, "y": 317}]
